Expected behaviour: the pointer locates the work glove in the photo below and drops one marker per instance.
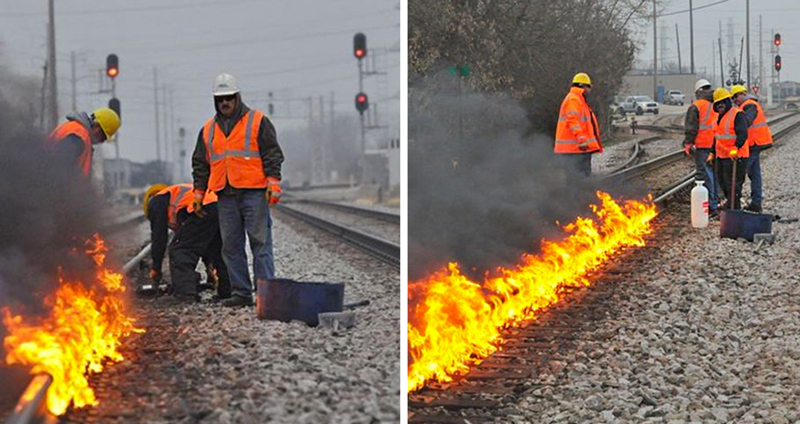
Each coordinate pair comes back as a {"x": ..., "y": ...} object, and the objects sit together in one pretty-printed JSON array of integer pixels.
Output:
[
  {"x": 734, "y": 153},
  {"x": 710, "y": 157},
  {"x": 155, "y": 275},
  {"x": 688, "y": 148},
  {"x": 197, "y": 203},
  {"x": 273, "y": 191}
]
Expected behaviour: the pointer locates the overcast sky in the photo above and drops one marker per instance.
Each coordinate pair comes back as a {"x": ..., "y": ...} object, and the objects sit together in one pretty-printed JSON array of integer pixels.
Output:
[
  {"x": 782, "y": 16},
  {"x": 295, "y": 49}
]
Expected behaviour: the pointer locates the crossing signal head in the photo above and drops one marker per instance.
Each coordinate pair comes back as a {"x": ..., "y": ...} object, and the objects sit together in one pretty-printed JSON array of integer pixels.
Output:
[
  {"x": 777, "y": 39},
  {"x": 778, "y": 63},
  {"x": 360, "y": 46},
  {"x": 362, "y": 103},
  {"x": 112, "y": 66}
]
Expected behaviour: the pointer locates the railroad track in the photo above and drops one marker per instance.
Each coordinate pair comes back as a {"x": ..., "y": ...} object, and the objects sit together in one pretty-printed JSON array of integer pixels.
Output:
[
  {"x": 379, "y": 214},
  {"x": 532, "y": 350},
  {"x": 384, "y": 250},
  {"x": 629, "y": 171}
]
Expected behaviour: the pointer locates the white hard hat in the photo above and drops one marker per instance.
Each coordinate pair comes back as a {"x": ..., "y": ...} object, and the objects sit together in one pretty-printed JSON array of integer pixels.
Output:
[
  {"x": 700, "y": 84},
  {"x": 225, "y": 85}
]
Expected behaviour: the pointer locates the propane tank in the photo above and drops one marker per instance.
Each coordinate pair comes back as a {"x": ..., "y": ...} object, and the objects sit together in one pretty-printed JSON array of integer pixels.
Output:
[{"x": 699, "y": 205}]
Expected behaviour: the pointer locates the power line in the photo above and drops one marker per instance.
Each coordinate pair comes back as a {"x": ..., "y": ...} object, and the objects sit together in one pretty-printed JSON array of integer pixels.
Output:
[
  {"x": 128, "y": 9},
  {"x": 696, "y": 8}
]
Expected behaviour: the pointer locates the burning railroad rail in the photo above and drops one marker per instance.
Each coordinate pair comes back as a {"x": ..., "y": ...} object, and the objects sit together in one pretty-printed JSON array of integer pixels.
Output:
[
  {"x": 455, "y": 323},
  {"x": 84, "y": 328}
]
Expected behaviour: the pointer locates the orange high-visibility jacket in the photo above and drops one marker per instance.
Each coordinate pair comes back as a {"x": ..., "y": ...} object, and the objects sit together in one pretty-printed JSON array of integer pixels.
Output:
[
  {"x": 181, "y": 197},
  {"x": 68, "y": 128},
  {"x": 758, "y": 132},
  {"x": 235, "y": 159},
  {"x": 576, "y": 125},
  {"x": 705, "y": 124},
  {"x": 726, "y": 136}
]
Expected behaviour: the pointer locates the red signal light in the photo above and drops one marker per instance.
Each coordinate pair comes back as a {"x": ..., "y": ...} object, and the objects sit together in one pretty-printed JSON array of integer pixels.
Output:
[
  {"x": 360, "y": 53},
  {"x": 113, "y": 72},
  {"x": 777, "y": 40}
]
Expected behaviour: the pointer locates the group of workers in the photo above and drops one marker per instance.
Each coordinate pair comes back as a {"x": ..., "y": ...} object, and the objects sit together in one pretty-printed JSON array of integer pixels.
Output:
[
  {"x": 236, "y": 171},
  {"x": 725, "y": 132}
]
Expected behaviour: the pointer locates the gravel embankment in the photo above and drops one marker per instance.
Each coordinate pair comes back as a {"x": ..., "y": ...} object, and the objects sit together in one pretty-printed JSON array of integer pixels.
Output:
[
  {"x": 204, "y": 364},
  {"x": 708, "y": 331},
  {"x": 359, "y": 221}
]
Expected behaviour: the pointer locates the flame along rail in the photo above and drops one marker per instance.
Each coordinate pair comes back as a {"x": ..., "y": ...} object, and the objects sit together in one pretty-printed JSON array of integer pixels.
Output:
[
  {"x": 627, "y": 172},
  {"x": 383, "y": 250},
  {"x": 512, "y": 373}
]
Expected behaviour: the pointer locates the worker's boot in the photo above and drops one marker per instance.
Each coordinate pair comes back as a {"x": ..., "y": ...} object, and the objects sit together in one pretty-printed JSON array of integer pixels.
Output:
[
  {"x": 237, "y": 301},
  {"x": 753, "y": 207}
]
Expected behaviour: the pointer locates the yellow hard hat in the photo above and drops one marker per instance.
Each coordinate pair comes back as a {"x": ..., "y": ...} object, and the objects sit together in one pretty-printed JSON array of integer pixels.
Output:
[
  {"x": 721, "y": 94},
  {"x": 108, "y": 121},
  {"x": 736, "y": 89},
  {"x": 581, "y": 78},
  {"x": 152, "y": 191}
]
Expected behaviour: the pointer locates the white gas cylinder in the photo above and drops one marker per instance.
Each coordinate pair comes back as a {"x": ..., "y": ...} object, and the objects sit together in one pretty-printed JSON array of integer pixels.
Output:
[{"x": 699, "y": 205}]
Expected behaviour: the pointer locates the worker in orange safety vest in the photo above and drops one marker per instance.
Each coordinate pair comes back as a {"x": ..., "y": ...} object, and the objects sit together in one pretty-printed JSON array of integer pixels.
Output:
[
  {"x": 237, "y": 156},
  {"x": 731, "y": 146},
  {"x": 74, "y": 139},
  {"x": 759, "y": 137},
  {"x": 577, "y": 132},
  {"x": 196, "y": 235},
  {"x": 699, "y": 140}
]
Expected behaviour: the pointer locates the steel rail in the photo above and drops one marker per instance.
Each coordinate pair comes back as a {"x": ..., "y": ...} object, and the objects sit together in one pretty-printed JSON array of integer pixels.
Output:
[
  {"x": 382, "y": 249},
  {"x": 31, "y": 407},
  {"x": 369, "y": 212}
]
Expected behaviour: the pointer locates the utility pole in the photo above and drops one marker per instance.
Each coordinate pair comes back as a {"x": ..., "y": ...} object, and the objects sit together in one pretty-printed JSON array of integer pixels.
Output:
[
  {"x": 691, "y": 35},
  {"x": 158, "y": 130},
  {"x": 74, "y": 83},
  {"x": 747, "y": 32},
  {"x": 760, "y": 52},
  {"x": 714, "y": 60},
  {"x": 678, "y": 41},
  {"x": 116, "y": 136},
  {"x": 51, "y": 62},
  {"x": 655, "y": 54},
  {"x": 721, "y": 66},
  {"x": 165, "y": 120},
  {"x": 770, "y": 94}
]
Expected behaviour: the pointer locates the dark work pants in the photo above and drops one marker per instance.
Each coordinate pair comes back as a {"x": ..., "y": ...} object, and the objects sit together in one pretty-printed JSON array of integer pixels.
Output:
[
  {"x": 754, "y": 174},
  {"x": 725, "y": 175},
  {"x": 579, "y": 162},
  {"x": 195, "y": 238}
]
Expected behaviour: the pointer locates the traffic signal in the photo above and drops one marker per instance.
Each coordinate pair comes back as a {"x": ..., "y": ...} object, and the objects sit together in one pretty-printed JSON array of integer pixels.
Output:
[
  {"x": 362, "y": 103},
  {"x": 777, "y": 39},
  {"x": 360, "y": 46},
  {"x": 778, "y": 64},
  {"x": 114, "y": 105},
  {"x": 112, "y": 66}
]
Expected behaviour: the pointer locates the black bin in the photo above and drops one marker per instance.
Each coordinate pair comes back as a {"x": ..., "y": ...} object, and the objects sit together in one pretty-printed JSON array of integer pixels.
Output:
[
  {"x": 735, "y": 224},
  {"x": 285, "y": 300}
]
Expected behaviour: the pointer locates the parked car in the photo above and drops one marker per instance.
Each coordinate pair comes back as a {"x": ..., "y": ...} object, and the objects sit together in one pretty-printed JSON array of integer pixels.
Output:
[
  {"x": 638, "y": 105},
  {"x": 674, "y": 97}
]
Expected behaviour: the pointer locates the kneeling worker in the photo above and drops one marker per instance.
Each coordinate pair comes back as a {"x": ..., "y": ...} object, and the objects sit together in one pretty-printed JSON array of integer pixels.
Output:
[
  {"x": 196, "y": 236},
  {"x": 74, "y": 139}
]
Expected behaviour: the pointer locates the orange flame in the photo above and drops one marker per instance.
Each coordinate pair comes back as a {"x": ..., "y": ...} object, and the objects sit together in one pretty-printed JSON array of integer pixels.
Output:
[
  {"x": 455, "y": 322},
  {"x": 85, "y": 326}
]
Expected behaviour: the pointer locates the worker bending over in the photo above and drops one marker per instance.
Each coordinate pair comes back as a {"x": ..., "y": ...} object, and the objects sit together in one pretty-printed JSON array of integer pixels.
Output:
[
  {"x": 759, "y": 137},
  {"x": 731, "y": 146},
  {"x": 577, "y": 132},
  {"x": 73, "y": 140},
  {"x": 237, "y": 156},
  {"x": 699, "y": 140},
  {"x": 196, "y": 235}
]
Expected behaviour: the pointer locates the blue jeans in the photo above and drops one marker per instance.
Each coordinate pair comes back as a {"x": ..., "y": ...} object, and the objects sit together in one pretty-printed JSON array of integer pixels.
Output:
[
  {"x": 246, "y": 212},
  {"x": 754, "y": 174},
  {"x": 705, "y": 171}
]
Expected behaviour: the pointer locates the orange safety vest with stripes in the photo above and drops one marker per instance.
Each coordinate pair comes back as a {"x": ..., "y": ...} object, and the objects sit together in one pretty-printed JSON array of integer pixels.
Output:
[
  {"x": 181, "y": 197},
  {"x": 576, "y": 125},
  {"x": 84, "y": 161},
  {"x": 705, "y": 124},
  {"x": 235, "y": 159},
  {"x": 758, "y": 132},
  {"x": 726, "y": 136}
]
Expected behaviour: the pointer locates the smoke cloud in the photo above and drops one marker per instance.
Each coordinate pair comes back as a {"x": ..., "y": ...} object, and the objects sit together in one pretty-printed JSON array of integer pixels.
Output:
[{"x": 482, "y": 190}]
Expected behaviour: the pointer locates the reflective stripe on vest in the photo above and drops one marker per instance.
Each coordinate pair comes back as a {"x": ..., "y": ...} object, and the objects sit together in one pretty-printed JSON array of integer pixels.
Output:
[
  {"x": 246, "y": 152},
  {"x": 84, "y": 161},
  {"x": 758, "y": 133},
  {"x": 181, "y": 197},
  {"x": 575, "y": 116}
]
